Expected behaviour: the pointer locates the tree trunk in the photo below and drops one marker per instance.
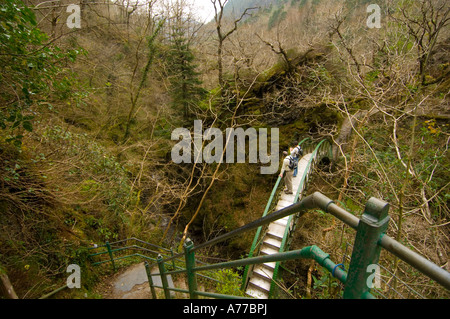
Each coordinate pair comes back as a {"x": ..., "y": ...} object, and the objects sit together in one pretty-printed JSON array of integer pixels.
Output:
[{"x": 6, "y": 289}]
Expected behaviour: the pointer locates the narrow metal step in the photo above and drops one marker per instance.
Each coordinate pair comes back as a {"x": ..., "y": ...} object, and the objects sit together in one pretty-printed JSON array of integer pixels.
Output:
[
  {"x": 270, "y": 265},
  {"x": 276, "y": 229},
  {"x": 264, "y": 273},
  {"x": 274, "y": 243},
  {"x": 288, "y": 197},
  {"x": 284, "y": 203},
  {"x": 275, "y": 236},
  {"x": 262, "y": 284},
  {"x": 282, "y": 221},
  {"x": 256, "y": 291},
  {"x": 268, "y": 250}
]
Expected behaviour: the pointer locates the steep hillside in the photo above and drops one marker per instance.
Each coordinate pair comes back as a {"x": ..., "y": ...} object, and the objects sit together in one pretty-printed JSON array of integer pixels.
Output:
[{"x": 234, "y": 8}]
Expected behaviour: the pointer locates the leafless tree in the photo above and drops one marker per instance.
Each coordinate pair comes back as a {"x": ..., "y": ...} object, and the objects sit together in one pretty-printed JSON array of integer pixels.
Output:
[{"x": 223, "y": 35}]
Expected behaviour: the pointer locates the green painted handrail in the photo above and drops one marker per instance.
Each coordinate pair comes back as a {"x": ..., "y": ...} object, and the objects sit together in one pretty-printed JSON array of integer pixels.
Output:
[
  {"x": 311, "y": 252},
  {"x": 256, "y": 239},
  {"x": 301, "y": 188},
  {"x": 357, "y": 273},
  {"x": 258, "y": 231},
  {"x": 129, "y": 239},
  {"x": 317, "y": 200},
  {"x": 138, "y": 255}
]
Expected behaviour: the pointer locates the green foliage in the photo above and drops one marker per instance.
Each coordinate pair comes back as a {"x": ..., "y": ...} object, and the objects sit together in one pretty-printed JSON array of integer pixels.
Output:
[
  {"x": 277, "y": 16},
  {"x": 186, "y": 91},
  {"x": 301, "y": 3},
  {"x": 49, "y": 203},
  {"x": 229, "y": 283},
  {"x": 326, "y": 286},
  {"x": 111, "y": 177},
  {"x": 27, "y": 65}
]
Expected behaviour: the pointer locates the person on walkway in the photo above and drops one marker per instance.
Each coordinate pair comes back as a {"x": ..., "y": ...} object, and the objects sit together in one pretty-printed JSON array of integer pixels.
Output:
[
  {"x": 288, "y": 171},
  {"x": 296, "y": 153}
]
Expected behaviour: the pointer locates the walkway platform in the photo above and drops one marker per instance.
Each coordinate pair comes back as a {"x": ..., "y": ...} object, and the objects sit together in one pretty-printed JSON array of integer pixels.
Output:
[{"x": 262, "y": 274}]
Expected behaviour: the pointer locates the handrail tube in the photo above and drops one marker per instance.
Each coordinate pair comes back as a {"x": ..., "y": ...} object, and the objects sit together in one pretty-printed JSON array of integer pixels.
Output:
[
  {"x": 420, "y": 263},
  {"x": 171, "y": 258},
  {"x": 255, "y": 224},
  {"x": 182, "y": 271},
  {"x": 324, "y": 260},
  {"x": 341, "y": 214},
  {"x": 99, "y": 253},
  {"x": 124, "y": 248},
  {"x": 175, "y": 272},
  {"x": 123, "y": 257},
  {"x": 128, "y": 239},
  {"x": 150, "y": 244},
  {"x": 417, "y": 261},
  {"x": 316, "y": 200},
  {"x": 311, "y": 252},
  {"x": 294, "y": 254},
  {"x": 132, "y": 255},
  {"x": 131, "y": 247},
  {"x": 202, "y": 293},
  {"x": 219, "y": 296},
  {"x": 176, "y": 257},
  {"x": 172, "y": 289},
  {"x": 141, "y": 241}
]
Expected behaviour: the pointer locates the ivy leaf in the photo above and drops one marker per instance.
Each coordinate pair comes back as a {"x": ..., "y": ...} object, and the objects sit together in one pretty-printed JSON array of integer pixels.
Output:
[{"x": 27, "y": 126}]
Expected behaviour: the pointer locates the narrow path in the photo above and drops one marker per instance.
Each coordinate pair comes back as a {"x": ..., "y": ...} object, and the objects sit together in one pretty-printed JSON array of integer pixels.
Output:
[{"x": 131, "y": 283}]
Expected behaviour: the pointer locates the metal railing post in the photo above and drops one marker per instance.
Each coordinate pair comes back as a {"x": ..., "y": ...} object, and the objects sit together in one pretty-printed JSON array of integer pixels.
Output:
[
  {"x": 150, "y": 280},
  {"x": 366, "y": 249},
  {"x": 162, "y": 273},
  {"x": 173, "y": 260},
  {"x": 108, "y": 247},
  {"x": 190, "y": 265}
]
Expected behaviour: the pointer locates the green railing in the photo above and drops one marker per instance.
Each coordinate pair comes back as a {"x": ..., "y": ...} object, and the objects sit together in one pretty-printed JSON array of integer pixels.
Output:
[
  {"x": 269, "y": 206},
  {"x": 323, "y": 148},
  {"x": 111, "y": 250},
  {"x": 370, "y": 238}
]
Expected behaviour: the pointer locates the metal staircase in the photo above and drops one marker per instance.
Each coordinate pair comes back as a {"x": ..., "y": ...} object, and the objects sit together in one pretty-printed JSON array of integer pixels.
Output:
[{"x": 273, "y": 240}]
